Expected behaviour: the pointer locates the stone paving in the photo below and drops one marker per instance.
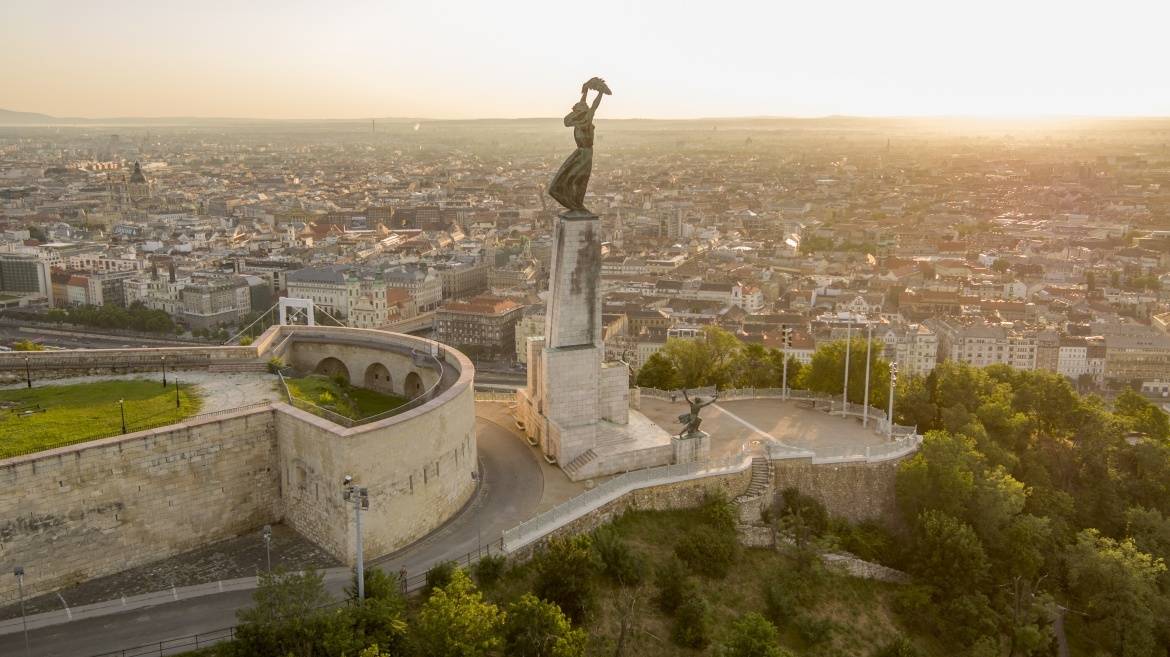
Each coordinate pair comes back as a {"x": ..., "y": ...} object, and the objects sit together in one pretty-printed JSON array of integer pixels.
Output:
[
  {"x": 243, "y": 556},
  {"x": 732, "y": 424}
]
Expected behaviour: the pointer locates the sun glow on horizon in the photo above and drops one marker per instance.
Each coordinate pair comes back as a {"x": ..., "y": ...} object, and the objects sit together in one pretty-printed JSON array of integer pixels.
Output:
[{"x": 910, "y": 58}]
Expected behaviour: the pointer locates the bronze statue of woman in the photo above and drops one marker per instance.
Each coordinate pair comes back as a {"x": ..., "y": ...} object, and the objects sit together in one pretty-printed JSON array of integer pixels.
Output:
[{"x": 571, "y": 181}]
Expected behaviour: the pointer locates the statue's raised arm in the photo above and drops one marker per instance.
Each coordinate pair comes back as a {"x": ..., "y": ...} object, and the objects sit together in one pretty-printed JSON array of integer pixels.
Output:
[{"x": 568, "y": 187}]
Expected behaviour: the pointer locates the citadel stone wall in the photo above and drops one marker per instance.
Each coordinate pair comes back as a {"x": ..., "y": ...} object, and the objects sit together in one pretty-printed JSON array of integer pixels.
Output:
[
  {"x": 856, "y": 491},
  {"x": 101, "y": 507}
]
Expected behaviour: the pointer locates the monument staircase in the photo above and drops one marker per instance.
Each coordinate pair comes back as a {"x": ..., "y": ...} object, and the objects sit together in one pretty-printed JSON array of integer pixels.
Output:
[
  {"x": 761, "y": 480},
  {"x": 581, "y": 461}
]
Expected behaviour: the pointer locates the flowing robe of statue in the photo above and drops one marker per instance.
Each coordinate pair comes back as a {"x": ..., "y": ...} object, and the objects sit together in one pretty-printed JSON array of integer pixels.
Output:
[{"x": 568, "y": 187}]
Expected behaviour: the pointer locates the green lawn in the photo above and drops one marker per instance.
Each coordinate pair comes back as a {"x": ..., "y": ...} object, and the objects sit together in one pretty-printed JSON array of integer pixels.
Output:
[
  {"x": 350, "y": 401},
  {"x": 67, "y": 414}
]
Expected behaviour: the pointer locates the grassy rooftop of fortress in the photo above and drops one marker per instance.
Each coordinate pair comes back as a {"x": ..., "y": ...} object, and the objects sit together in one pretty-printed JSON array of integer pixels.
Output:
[
  {"x": 350, "y": 401},
  {"x": 49, "y": 416}
]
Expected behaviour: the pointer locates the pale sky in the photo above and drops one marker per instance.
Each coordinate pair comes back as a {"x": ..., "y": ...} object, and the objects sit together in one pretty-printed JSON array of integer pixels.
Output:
[{"x": 678, "y": 59}]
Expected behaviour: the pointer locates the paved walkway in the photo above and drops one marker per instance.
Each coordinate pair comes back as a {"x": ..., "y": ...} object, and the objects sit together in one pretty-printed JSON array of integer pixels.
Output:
[{"x": 735, "y": 423}]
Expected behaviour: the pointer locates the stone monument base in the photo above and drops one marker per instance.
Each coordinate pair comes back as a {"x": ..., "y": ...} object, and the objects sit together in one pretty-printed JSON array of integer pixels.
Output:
[
  {"x": 640, "y": 443},
  {"x": 691, "y": 447}
]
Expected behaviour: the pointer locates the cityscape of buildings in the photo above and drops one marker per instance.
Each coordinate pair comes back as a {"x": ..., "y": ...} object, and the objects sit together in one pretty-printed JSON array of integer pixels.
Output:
[{"x": 1042, "y": 249}]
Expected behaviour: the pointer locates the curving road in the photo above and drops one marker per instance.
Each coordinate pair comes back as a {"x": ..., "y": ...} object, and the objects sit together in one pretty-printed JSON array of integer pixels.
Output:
[{"x": 510, "y": 491}]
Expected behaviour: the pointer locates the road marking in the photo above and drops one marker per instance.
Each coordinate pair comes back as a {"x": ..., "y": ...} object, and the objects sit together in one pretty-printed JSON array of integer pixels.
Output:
[{"x": 746, "y": 423}]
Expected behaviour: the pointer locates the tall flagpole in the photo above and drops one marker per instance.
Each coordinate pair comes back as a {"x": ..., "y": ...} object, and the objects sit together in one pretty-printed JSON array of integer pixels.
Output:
[
  {"x": 868, "y": 346},
  {"x": 845, "y": 390}
]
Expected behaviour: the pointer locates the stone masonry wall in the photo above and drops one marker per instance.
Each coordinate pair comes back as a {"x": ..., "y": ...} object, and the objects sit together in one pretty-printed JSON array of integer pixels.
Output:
[
  {"x": 856, "y": 491},
  {"x": 101, "y": 507},
  {"x": 681, "y": 495}
]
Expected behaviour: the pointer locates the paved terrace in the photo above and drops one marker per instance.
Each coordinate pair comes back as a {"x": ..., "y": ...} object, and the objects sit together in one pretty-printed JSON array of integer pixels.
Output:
[{"x": 792, "y": 423}]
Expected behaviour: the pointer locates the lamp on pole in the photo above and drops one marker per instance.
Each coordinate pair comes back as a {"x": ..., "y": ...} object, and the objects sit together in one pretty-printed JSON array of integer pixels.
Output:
[
  {"x": 890, "y": 413},
  {"x": 164, "y": 369},
  {"x": 122, "y": 406},
  {"x": 361, "y": 501},
  {"x": 784, "y": 354},
  {"x": 478, "y": 533},
  {"x": 19, "y": 573},
  {"x": 868, "y": 347},
  {"x": 845, "y": 390},
  {"x": 176, "y": 391},
  {"x": 267, "y": 534},
  {"x": 27, "y": 372}
]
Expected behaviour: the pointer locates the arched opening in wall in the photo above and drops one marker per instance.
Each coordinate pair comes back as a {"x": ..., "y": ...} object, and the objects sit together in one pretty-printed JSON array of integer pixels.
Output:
[
  {"x": 331, "y": 367},
  {"x": 413, "y": 386},
  {"x": 378, "y": 378}
]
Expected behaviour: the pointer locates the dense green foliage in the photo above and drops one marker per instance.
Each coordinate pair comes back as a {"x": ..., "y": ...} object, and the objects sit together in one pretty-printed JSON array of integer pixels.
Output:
[
  {"x": 717, "y": 358},
  {"x": 1025, "y": 495},
  {"x": 137, "y": 317}
]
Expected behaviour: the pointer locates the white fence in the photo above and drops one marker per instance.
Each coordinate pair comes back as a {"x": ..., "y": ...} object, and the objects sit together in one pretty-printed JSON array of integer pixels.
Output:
[{"x": 577, "y": 507}]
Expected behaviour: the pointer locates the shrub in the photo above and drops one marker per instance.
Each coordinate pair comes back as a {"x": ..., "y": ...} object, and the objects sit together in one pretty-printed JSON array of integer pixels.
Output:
[
  {"x": 564, "y": 575},
  {"x": 707, "y": 551},
  {"x": 488, "y": 570},
  {"x": 809, "y": 510},
  {"x": 717, "y": 511},
  {"x": 619, "y": 562},
  {"x": 898, "y": 647},
  {"x": 753, "y": 636},
  {"x": 674, "y": 585},
  {"x": 340, "y": 380},
  {"x": 692, "y": 622},
  {"x": 867, "y": 540},
  {"x": 535, "y": 628},
  {"x": 246, "y": 340},
  {"x": 275, "y": 364},
  {"x": 326, "y": 398},
  {"x": 439, "y": 576},
  {"x": 813, "y": 630}
]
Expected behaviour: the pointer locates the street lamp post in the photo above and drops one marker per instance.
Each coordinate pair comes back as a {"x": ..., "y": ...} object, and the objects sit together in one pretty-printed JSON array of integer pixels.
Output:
[
  {"x": 122, "y": 406},
  {"x": 845, "y": 390},
  {"x": 868, "y": 347},
  {"x": 361, "y": 501},
  {"x": 164, "y": 369},
  {"x": 890, "y": 413},
  {"x": 19, "y": 572},
  {"x": 267, "y": 534},
  {"x": 176, "y": 391},
  {"x": 478, "y": 526},
  {"x": 27, "y": 372},
  {"x": 784, "y": 355}
]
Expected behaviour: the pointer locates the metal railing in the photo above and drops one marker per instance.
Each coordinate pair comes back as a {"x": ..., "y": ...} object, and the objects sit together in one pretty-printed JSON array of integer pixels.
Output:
[
  {"x": 175, "y": 646},
  {"x": 570, "y": 510}
]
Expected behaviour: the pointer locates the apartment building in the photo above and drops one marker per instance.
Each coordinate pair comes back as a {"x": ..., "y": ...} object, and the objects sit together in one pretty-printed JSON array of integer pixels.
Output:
[
  {"x": 483, "y": 324},
  {"x": 981, "y": 343}
]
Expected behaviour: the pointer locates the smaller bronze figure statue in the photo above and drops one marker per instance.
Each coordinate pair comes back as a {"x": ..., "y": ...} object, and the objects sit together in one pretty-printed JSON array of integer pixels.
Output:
[
  {"x": 691, "y": 420},
  {"x": 569, "y": 185}
]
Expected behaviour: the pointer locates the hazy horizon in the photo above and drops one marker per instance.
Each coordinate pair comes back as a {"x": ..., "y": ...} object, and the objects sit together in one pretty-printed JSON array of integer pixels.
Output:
[{"x": 465, "y": 60}]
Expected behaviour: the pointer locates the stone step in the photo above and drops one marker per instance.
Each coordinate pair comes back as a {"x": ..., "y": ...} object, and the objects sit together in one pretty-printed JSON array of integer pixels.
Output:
[{"x": 581, "y": 461}]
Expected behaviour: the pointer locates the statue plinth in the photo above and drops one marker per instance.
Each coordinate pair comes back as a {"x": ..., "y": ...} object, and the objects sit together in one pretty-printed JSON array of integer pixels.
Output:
[{"x": 691, "y": 447}]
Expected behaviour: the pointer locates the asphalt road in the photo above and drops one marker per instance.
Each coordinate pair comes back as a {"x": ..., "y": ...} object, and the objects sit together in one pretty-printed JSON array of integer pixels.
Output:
[{"x": 509, "y": 493}]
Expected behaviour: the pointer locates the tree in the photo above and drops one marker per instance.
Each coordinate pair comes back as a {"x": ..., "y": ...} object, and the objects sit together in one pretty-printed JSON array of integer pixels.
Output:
[
  {"x": 948, "y": 554},
  {"x": 692, "y": 621},
  {"x": 940, "y": 476},
  {"x": 753, "y": 636},
  {"x": 1000, "y": 265},
  {"x": 1141, "y": 416},
  {"x": 756, "y": 368},
  {"x": 565, "y": 575},
  {"x": 826, "y": 372},
  {"x": 535, "y": 628},
  {"x": 291, "y": 614},
  {"x": 619, "y": 562},
  {"x": 658, "y": 372},
  {"x": 455, "y": 621},
  {"x": 708, "y": 551},
  {"x": 1113, "y": 583}
]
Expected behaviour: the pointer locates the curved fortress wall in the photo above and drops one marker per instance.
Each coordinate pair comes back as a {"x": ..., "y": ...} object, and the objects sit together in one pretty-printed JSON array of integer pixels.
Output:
[{"x": 100, "y": 507}]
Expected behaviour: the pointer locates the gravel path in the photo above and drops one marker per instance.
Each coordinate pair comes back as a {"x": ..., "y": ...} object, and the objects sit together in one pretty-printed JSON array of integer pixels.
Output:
[{"x": 218, "y": 391}]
